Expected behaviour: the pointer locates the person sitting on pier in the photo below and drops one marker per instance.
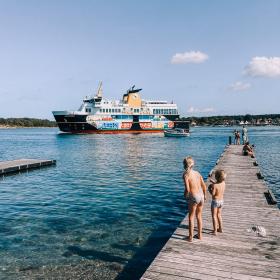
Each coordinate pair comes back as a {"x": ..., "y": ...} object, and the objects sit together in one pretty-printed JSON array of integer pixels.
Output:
[
  {"x": 217, "y": 191},
  {"x": 248, "y": 150},
  {"x": 195, "y": 193}
]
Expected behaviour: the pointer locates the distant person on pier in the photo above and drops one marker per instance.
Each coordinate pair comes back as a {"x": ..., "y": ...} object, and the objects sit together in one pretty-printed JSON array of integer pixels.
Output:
[
  {"x": 217, "y": 190},
  {"x": 237, "y": 137},
  {"x": 244, "y": 135},
  {"x": 248, "y": 150},
  {"x": 195, "y": 194}
]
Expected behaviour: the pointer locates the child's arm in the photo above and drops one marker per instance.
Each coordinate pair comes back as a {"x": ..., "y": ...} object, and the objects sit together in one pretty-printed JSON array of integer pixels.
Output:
[
  {"x": 210, "y": 188},
  {"x": 187, "y": 186},
  {"x": 203, "y": 187}
]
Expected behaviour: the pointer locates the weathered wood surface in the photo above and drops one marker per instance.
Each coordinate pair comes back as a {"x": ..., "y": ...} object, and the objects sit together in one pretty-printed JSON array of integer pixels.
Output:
[
  {"x": 238, "y": 253},
  {"x": 18, "y": 165}
]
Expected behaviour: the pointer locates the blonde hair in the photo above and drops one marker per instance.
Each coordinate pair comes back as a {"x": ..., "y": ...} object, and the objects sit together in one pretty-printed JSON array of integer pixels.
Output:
[
  {"x": 188, "y": 163},
  {"x": 220, "y": 175}
]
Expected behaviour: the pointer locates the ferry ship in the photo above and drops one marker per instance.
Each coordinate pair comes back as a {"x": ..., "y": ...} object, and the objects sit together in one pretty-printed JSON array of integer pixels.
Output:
[{"x": 129, "y": 115}]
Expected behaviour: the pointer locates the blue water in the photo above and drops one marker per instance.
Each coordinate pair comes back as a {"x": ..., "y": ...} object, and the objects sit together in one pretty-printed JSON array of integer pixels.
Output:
[{"x": 110, "y": 203}]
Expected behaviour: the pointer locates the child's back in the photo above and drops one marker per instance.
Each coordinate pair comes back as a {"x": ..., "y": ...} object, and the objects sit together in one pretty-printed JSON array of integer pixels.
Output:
[{"x": 218, "y": 191}]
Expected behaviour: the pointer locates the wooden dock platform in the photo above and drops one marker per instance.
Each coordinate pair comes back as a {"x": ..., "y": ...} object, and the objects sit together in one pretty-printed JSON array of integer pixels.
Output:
[
  {"x": 238, "y": 252},
  {"x": 13, "y": 166}
]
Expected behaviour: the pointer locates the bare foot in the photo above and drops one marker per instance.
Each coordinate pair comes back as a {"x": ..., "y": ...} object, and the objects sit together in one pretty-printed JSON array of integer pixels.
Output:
[
  {"x": 189, "y": 238},
  {"x": 199, "y": 236},
  {"x": 220, "y": 230},
  {"x": 214, "y": 232}
]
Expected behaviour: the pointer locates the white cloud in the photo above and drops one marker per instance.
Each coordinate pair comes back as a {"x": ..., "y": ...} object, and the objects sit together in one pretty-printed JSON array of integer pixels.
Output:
[
  {"x": 261, "y": 66},
  {"x": 239, "y": 86},
  {"x": 201, "y": 110},
  {"x": 189, "y": 57}
]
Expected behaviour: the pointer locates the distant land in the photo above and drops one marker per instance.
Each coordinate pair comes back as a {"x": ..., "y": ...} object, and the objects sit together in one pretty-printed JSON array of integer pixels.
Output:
[
  {"x": 25, "y": 122},
  {"x": 267, "y": 119}
]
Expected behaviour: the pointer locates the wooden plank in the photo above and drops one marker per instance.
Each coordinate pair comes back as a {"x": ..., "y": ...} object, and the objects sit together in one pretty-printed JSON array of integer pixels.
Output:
[{"x": 238, "y": 253}]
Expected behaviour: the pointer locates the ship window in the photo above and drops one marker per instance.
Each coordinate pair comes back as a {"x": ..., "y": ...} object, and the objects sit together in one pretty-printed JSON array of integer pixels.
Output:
[
  {"x": 109, "y": 110},
  {"x": 154, "y": 111},
  {"x": 106, "y": 110}
]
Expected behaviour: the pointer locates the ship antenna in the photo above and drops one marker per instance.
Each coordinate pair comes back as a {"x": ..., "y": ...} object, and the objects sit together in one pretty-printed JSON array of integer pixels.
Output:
[{"x": 100, "y": 90}]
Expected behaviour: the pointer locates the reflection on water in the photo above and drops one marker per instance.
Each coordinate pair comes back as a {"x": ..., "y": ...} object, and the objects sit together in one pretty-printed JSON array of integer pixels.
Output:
[{"x": 109, "y": 204}]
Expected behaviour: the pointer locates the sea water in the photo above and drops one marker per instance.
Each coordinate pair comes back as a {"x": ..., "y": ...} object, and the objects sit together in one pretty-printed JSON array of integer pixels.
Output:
[{"x": 111, "y": 202}]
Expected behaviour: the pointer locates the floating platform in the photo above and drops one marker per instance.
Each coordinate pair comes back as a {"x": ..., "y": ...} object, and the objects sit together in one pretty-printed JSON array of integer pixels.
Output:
[
  {"x": 13, "y": 166},
  {"x": 237, "y": 253}
]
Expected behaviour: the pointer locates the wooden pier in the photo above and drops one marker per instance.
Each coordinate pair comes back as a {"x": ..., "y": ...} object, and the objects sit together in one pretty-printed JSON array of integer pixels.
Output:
[
  {"x": 14, "y": 166},
  {"x": 237, "y": 253}
]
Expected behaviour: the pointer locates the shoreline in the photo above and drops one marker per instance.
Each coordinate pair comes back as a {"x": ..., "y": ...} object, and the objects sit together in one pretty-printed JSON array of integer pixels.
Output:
[{"x": 15, "y": 127}]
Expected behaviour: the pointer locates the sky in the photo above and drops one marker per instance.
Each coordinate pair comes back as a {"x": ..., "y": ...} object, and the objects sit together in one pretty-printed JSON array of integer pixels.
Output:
[{"x": 209, "y": 57}]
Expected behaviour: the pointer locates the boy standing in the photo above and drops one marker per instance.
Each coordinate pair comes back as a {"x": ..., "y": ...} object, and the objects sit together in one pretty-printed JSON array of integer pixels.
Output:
[{"x": 217, "y": 191}]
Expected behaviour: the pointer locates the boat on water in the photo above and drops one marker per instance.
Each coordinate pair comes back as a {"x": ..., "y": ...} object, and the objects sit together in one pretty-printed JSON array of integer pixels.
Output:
[
  {"x": 177, "y": 132},
  {"x": 129, "y": 115}
]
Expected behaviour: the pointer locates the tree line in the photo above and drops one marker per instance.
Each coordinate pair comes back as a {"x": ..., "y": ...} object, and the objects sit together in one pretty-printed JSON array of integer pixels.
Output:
[
  {"x": 27, "y": 122},
  {"x": 232, "y": 120}
]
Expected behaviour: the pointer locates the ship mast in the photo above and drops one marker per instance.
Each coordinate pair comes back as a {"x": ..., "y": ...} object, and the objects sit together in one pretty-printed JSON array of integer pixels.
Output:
[{"x": 99, "y": 90}]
